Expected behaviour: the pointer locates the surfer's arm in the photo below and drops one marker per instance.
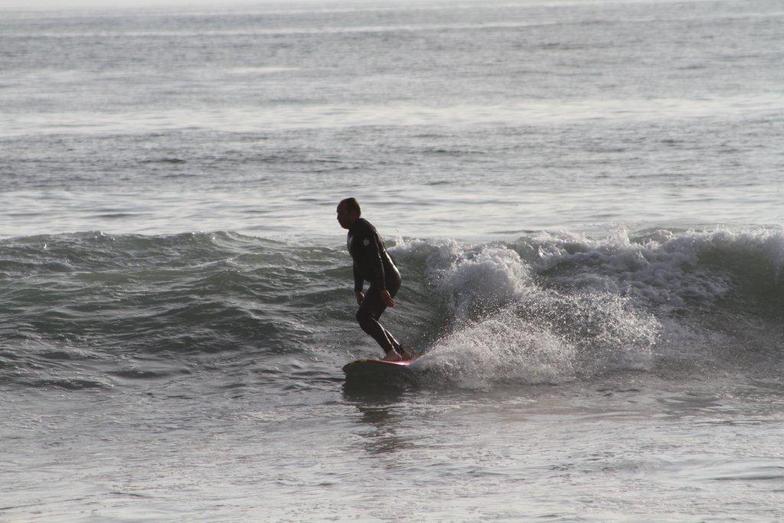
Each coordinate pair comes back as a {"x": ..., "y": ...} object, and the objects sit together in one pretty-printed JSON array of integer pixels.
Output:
[{"x": 359, "y": 282}]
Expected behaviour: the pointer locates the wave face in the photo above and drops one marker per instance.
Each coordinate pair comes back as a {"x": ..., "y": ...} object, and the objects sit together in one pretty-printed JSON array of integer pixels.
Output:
[
  {"x": 96, "y": 311},
  {"x": 550, "y": 308}
]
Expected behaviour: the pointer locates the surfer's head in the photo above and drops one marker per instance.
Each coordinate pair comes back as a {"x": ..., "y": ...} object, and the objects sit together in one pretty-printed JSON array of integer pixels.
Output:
[{"x": 348, "y": 212}]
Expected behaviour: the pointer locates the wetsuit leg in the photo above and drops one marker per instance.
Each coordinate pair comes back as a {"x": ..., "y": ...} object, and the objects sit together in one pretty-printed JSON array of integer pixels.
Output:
[{"x": 370, "y": 311}]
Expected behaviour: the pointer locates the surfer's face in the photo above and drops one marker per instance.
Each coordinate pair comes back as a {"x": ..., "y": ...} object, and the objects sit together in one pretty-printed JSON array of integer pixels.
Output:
[{"x": 346, "y": 218}]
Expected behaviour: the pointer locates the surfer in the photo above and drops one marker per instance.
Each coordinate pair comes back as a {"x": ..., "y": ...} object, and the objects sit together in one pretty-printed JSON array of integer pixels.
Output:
[{"x": 372, "y": 263}]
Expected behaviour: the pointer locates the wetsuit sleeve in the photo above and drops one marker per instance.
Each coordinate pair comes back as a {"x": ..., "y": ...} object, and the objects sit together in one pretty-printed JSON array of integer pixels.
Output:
[{"x": 358, "y": 281}]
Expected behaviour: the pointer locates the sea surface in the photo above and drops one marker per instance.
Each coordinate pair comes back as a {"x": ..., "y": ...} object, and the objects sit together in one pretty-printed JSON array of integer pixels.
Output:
[{"x": 585, "y": 199}]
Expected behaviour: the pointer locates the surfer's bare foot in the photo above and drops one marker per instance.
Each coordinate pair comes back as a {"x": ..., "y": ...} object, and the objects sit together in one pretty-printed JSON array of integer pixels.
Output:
[
  {"x": 405, "y": 354},
  {"x": 392, "y": 356}
]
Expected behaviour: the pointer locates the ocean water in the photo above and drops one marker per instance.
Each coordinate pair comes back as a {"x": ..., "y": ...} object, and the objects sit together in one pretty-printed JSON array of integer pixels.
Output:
[{"x": 584, "y": 199}]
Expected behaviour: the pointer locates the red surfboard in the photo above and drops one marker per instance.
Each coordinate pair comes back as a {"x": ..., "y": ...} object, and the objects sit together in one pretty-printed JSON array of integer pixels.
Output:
[{"x": 379, "y": 369}]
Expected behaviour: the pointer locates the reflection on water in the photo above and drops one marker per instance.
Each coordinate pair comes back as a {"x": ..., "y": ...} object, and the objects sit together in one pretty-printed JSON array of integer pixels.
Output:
[{"x": 380, "y": 410}]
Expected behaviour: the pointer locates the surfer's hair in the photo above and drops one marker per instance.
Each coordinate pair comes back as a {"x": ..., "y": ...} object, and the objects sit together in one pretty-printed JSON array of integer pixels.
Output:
[{"x": 351, "y": 204}]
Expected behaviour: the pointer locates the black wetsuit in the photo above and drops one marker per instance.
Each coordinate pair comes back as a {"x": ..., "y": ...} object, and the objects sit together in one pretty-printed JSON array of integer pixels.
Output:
[{"x": 372, "y": 263}]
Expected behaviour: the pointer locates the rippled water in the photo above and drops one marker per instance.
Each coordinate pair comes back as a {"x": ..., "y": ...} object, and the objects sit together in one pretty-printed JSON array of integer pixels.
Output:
[
  {"x": 531, "y": 115},
  {"x": 583, "y": 197}
]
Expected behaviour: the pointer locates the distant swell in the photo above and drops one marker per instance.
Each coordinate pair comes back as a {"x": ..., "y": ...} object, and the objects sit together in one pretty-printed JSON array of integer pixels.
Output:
[{"x": 89, "y": 310}]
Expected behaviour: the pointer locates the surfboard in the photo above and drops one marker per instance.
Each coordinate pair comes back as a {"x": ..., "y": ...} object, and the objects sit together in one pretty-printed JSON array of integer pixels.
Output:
[{"x": 379, "y": 369}]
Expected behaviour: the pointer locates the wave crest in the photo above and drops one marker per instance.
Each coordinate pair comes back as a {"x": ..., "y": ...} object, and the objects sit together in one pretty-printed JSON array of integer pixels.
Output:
[{"x": 544, "y": 308}]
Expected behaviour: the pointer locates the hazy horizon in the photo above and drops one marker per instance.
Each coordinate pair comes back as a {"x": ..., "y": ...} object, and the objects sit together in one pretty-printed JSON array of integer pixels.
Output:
[
  {"x": 54, "y": 5},
  {"x": 46, "y": 5},
  {"x": 68, "y": 5}
]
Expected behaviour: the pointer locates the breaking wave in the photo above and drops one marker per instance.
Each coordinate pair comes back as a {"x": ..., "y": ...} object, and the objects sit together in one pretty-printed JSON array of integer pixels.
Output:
[{"x": 89, "y": 310}]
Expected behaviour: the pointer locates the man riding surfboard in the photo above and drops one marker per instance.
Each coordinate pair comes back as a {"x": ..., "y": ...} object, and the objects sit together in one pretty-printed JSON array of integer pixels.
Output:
[{"x": 372, "y": 263}]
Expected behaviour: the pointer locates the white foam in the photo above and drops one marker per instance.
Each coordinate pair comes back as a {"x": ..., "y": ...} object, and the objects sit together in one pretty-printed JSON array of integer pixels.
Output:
[
  {"x": 476, "y": 280},
  {"x": 554, "y": 307},
  {"x": 502, "y": 348},
  {"x": 662, "y": 269},
  {"x": 506, "y": 327}
]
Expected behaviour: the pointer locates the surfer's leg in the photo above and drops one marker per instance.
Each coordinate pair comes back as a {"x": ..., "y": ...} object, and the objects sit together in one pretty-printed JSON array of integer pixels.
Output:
[
  {"x": 393, "y": 282},
  {"x": 392, "y": 340},
  {"x": 367, "y": 316},
  {"x": 404, "y": 354}
]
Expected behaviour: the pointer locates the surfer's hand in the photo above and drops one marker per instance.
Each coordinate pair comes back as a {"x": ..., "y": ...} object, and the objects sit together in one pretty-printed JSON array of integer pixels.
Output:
[
  {"x": 360, "y": 297},
  {"x": 387, "y": 298}
]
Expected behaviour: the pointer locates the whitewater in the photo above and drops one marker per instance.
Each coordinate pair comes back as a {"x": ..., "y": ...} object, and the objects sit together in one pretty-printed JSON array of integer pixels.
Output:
[{"x": 583, "y": 198}]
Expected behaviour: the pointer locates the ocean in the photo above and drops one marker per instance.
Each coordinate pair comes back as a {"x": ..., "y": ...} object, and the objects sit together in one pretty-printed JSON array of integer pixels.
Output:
[{"x": 584, "y": 199}]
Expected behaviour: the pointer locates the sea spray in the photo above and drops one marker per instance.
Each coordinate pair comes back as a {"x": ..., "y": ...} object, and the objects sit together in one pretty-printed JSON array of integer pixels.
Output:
[{"x": 505, "y": 327}]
